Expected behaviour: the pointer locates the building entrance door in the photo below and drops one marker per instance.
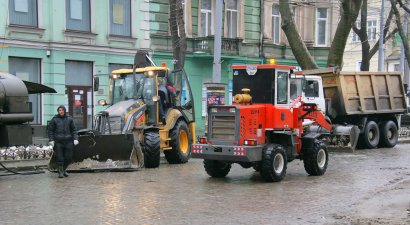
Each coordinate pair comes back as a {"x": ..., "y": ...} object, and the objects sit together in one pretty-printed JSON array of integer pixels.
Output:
[{"x": 78, "y": 105}]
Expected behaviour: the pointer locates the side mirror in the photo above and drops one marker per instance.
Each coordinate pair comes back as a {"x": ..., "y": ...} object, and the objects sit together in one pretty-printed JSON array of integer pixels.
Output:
[{"x": 96, "y": 83}]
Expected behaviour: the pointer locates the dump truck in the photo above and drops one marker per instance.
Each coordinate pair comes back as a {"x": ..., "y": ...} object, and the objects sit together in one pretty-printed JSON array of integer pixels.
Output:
[
  {"x": 263, "y": 128},
  {"x": 130, "y": 133},
  {"x": 15, "y": 111},
  {"x": 371, "y": 101}
]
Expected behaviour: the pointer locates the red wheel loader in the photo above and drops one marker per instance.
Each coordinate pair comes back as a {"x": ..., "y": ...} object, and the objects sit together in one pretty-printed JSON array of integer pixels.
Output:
[{"x": 263, "y": 129}]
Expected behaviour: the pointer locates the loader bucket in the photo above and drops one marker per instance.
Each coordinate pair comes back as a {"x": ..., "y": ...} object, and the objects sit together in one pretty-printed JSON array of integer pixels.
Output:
[
  {"x": 342, "y": 137},
  {"x": 104, "y": 152}
]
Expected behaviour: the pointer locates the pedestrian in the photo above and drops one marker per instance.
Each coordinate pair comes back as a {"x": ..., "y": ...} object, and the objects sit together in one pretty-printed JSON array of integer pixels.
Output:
[{"x": 62, "y": 135}]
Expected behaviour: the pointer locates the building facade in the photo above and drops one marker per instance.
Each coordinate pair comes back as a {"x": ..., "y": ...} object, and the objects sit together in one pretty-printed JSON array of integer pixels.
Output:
[
  {"x": 66, "y": 44},
  {"x": 251, "y": 33}
]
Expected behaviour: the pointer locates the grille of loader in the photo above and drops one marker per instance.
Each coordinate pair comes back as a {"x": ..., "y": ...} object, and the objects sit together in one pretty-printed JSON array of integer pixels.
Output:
[{"x": 222, "y": 127}]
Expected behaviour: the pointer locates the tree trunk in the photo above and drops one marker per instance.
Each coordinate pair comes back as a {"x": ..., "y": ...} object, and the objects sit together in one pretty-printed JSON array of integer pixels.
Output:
[
  {"x": 299, "y": 49},
  {"x": 362, "y": 34},
  {"x": 178, "y": 36},
  {"x": 350, "y": 11}
]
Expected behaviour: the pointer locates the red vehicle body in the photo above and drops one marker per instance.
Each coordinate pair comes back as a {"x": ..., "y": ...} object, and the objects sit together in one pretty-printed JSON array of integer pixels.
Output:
[{"x": 262, "y": 129}]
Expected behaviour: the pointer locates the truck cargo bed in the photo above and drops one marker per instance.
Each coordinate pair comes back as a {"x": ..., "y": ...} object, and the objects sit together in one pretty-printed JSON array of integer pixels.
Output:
[{"x": 356, "y": 93}]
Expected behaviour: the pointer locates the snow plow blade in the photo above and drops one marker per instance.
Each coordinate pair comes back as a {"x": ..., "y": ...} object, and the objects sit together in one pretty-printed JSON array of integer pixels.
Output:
[
  {"x": 342, "y": 137},
  {"x": 103, "y": 152}
]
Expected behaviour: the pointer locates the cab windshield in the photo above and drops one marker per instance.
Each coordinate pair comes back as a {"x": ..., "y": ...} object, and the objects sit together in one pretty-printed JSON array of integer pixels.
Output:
[{"x": 123, "y": 88}]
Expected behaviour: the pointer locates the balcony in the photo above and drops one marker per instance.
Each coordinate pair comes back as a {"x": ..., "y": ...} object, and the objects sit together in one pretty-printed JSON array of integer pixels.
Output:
[{"x": 206, "y": 45}]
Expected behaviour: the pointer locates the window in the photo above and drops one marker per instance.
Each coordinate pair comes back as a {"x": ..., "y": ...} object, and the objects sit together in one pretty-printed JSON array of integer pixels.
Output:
[
  {"x": 232, "y": 18},
  {"x": 28, "y": 69},
  {"x": 355, "y": 37},
  {"x": 396, "y": 67},
  {"x": 275, "y": 24},
  {"x": 282, "y": 86},
  {"x": 78, "y": 15},
  {"x": 295, "y": 88},
  {"x": 371, "y": 29},
  {"x": 23, "y": 12},
  {"x": 321, "y": 26},
  {"x": 358, "y": 65},
  {"x": 312, "y": 88},
  {"x": 78, "y": 73},
  {"x": 120, "y": 17},
  {"x": 206, "y": 17}
]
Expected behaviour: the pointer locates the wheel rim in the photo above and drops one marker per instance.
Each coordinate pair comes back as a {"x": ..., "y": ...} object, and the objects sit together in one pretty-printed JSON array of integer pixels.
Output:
[
  {"x": 183, "y": 142},
  {"x": 389, "y": 134},
  {"x": 278, "y": 163},
  {"x": 371, "y": 135},
  {"x": 321, "y": 158}
]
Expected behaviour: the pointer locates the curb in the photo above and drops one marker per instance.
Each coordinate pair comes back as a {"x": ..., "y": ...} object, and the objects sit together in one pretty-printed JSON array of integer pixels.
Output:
[
  {"x": 42, "y": 164},
  {"x": 405, "y": 140},
  {"x": 25, "y": 165}
]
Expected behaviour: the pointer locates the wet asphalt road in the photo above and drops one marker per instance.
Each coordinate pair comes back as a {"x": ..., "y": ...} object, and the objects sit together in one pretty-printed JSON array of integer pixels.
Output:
[{"x": 365, "y": 187}]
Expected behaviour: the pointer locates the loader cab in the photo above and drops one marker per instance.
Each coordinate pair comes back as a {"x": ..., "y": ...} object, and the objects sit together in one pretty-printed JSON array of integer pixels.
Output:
[
  {"x": 140, "y": 86},
  {"x": 151, "y": 85},
  {"x": 269, "y": 83},
  {"x": 310, "y": 88}
]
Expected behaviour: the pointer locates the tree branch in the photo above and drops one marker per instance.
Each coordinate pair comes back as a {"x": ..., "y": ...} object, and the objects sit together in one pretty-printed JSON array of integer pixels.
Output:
[
  {"x": 401, "y": 31},
  {"x": 403, "y": 6}
]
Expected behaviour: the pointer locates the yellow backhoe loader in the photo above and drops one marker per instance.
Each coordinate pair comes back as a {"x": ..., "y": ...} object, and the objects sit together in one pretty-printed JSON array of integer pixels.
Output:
[{"x": 150, "y": 110}]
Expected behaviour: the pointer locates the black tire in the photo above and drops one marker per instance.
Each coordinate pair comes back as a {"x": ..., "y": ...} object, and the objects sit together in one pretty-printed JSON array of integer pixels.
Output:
[
  {"x": 180, "y": 143},
  {"x": 315, "y": 160},
  {"x": 151, "y": 150},
  {"x": 257, "y": 166},
  {"x": 246, "y": 165},
  {"x": 371, "y": 135},
  {"x": 274, "y": 163},
  {"x": 215, "y": 168},
  {"x": 389, "y": 134}
]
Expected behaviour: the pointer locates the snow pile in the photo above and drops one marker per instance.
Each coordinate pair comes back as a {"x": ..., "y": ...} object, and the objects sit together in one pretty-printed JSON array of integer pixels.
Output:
[
  {"x": 95, "y": 164},
  {"x": 25, "y": 152}
]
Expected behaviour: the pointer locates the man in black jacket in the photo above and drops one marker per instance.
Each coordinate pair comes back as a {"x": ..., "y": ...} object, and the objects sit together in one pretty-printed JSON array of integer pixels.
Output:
[{"x": 62, "y": 134}]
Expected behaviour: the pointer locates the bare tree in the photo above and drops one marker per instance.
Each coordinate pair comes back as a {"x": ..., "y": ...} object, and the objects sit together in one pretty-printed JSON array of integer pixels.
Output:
[
  {"x": 403, "y": 36},
  {"x": 350, "y": 11},
  {"x": 361, "y": 32},
  {"x": 178, "y": 35},
  {"x": 403, "y": 6}
]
